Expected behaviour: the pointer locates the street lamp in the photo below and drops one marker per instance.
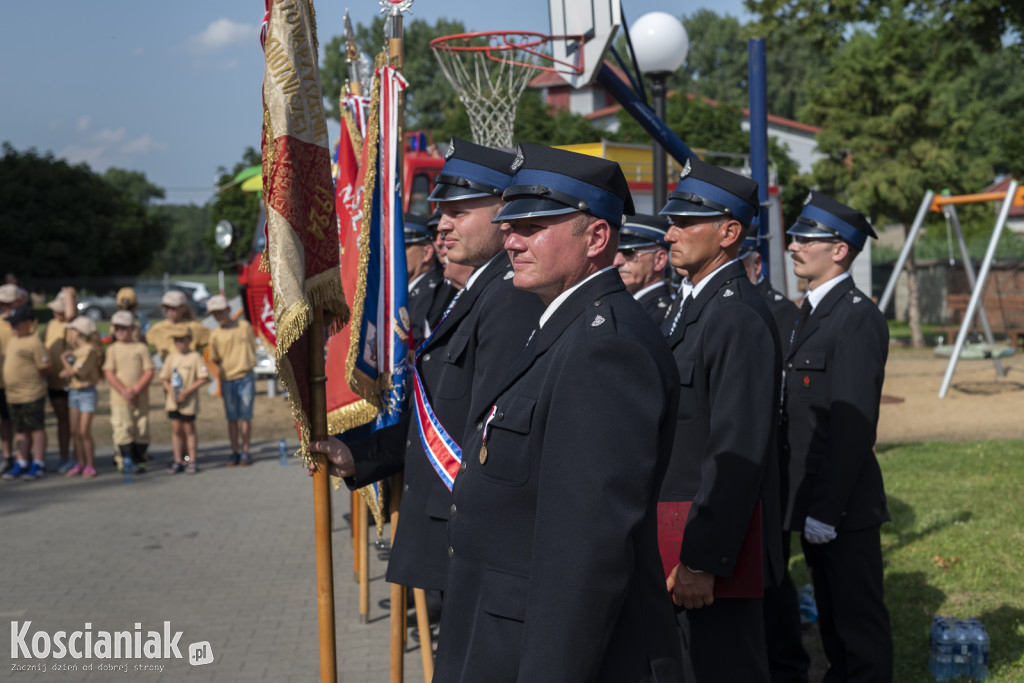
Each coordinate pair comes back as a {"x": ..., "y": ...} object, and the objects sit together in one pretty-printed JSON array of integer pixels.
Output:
[{"x": 660, "y": 44}]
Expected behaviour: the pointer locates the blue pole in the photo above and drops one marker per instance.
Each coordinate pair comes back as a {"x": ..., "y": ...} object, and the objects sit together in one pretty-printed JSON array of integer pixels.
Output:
[
  {"x": 644, "y": 115},
  {"x": 757, "y": 77}
]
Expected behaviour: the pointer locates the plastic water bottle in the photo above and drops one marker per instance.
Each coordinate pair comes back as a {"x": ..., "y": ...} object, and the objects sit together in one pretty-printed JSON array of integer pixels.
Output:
[
  {"x": 128, "y": 470},
  {"x": 177, "y": 384},
  {"x": 978, "y": 637},
  {"x": 961, "y": 649},
  {"x": 940, "y": 659},
  {"x": 282, "y": 453},
  {"x": 808, "y": 607}
]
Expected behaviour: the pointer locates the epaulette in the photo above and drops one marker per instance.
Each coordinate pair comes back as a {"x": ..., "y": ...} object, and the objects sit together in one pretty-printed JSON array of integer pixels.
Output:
[{"x": 599, "y": 319}]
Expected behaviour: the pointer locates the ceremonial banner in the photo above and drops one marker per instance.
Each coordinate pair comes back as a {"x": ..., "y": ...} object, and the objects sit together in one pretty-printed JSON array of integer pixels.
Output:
[
  {"x": 302, "y": 239},
  {"x": 367, "y": 363}
]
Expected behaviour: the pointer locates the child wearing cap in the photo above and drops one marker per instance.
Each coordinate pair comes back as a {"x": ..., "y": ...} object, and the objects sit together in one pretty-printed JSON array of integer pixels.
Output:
[
  {"x": 177, "y": 312},
  {"x": 127, "y": 300},
  {"x": 82, "y": 368},
  {"x": 8, "y": 295},
  {"x": 55, "y": 339},
  {"x": 25, "y": 366},
  {"x": 128, "y": 369},
  {"x": 233, "y": 350},
  {"x": 182, "y": 375}
]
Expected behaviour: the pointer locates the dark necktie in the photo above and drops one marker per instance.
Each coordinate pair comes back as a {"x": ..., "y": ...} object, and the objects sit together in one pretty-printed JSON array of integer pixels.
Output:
[{"x": 805, "y": 312}]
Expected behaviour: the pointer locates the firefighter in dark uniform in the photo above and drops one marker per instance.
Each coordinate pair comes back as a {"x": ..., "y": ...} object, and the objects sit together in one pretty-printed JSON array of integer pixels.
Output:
[
  {"x": 788, "y": 661},
  {"x": 641, "y": 259},
  {"x": 446, "y": 290},
  {"x": 465, "y": 356},
  {"x": 783, "y": 309},
  {"x": 554, "y": 572},
  {"x": 724, "y": 460},
  {"x": 426, "y": 278},
  {"x": 834, "y": 372}
]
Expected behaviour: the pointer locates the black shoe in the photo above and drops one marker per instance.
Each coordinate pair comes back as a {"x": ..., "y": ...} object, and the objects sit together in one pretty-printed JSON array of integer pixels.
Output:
[{"x": 233, "y": 460}]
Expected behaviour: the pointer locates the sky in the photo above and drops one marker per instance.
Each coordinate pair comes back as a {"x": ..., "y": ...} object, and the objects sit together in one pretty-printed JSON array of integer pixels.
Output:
[{"x": 172, "y": 89}]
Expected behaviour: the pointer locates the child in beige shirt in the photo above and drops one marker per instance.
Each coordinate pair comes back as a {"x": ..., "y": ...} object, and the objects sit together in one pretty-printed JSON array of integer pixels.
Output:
[
  {"x": 25, "y": 366},
  {"x": 182, "y": 374},
  {"x": 82, "y": 366}
]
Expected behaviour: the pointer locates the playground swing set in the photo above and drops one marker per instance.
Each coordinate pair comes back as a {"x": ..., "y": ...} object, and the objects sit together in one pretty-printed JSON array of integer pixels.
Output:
[{"x": 1013, "y": 196}]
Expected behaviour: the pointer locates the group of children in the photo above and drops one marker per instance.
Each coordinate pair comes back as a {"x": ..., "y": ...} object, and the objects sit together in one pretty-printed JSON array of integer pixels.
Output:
[{"x": 70, "y": 361}]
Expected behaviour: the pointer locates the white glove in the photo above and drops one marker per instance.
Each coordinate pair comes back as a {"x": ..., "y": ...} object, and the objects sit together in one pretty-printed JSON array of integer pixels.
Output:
[{"x": 818, "y": 532}]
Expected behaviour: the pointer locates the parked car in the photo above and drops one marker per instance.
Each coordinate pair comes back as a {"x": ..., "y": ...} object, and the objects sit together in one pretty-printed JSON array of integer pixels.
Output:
[{"x": 148, "y": 293}]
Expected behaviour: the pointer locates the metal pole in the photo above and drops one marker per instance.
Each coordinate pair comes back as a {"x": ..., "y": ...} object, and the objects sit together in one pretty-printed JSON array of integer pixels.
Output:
[
  {"x": 954, "y": 218},
  {"x": 643, "y": 114},
  {"x": 757, "y": 77},
  {"x": 922, "y": 211},
  {"x": 979, "y": 287},
  {"x": 659, "y": 180}
]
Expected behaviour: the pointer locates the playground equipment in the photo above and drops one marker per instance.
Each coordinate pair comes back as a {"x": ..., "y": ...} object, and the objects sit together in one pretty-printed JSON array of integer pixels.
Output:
[{"x": 1013, "y": 196}]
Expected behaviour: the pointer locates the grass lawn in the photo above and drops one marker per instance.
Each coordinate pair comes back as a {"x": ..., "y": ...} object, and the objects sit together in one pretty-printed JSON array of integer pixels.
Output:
[{"x": 955, "y": 547}]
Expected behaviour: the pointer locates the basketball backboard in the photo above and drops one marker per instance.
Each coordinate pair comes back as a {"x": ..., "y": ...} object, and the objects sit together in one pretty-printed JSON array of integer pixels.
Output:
[{"x": 595, "y": 22}]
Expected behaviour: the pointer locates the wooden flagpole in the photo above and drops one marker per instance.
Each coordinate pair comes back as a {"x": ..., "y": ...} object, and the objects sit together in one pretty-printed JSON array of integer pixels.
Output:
[
  {"x": 322, "y": 499},
  {"x": 360, "y": 509},
  {"x": 398, "y": 592}
]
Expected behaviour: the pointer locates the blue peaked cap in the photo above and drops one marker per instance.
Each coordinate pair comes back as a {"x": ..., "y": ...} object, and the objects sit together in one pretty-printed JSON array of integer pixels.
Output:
[
  {"x": 707, "y": 190},
  {"x": 471, "y": 171},
  {"x": 643, "y": 230},
  {"x": 823, "y": 217},
  {"x": 550, "y": 182}
]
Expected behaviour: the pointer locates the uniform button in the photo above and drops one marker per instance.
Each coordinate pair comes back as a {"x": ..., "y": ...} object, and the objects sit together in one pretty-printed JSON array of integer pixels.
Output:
[
  {"x": 724, "y": 560},
  {"x": 408, "y": 443},
  {"x": 790, "y": 366},
  {"x": 451, "y": 552},
  {"x": 426, "y": 357},
  {"x": 405, "y": 487},
  {"x": 597, "y": 303},
  {"x": 807, "y": 361},
  {"x": 462, "y": 467},
  {"x": 479, "y": 426},
  {"x": 501, "y": 416},
  {"x": 453, "y": 509}
]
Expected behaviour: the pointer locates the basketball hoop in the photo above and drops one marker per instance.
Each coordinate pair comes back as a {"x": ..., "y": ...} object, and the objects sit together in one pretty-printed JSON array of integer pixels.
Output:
[{"x": 490, "y": 70}]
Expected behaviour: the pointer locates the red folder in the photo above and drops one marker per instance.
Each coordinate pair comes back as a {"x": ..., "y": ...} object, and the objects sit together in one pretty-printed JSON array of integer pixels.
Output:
[{"x": 746, "y": 580}]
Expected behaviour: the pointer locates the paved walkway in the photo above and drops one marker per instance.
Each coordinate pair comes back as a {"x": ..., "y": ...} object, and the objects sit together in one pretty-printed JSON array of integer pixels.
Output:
[{"x": 226, "y": 556}]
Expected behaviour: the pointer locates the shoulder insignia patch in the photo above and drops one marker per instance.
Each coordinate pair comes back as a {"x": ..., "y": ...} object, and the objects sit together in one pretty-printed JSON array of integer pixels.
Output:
[
  {"x": 727, "y": 292},
  {"x": 510, "y": 274},
  {"x": 662, "y": 304},
  {"x": 857, "y": 299},
  {"x": 598, "y": 320},
  {"x": 778, "y": 297}
]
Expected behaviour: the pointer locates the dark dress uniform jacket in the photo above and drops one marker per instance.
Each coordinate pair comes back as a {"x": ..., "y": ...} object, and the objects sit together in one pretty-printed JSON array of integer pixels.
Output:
[
  {"x": 785, "y": 312},
  {"x": 834, "y": 373},
  {"x": 725, "y": 455},
  {"x": 555, "y": 574},
  {"x": 423, "y": 303},
  {"x": 657, "y": 302},
  {"x": 467, "y": 356}
]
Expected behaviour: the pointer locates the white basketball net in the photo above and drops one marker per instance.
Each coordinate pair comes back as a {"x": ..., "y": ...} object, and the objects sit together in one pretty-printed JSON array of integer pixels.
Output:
[{"x": 489, "y": 87}]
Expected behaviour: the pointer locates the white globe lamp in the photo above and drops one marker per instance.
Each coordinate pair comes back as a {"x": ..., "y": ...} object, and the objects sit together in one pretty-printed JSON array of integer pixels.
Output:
[
  {"x": 660, "y": 42},
  {"x": 660, "y": 45}
]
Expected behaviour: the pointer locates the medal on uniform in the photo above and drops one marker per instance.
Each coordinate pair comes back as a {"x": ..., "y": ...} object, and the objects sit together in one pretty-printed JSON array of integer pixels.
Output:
[{"x": 486, "y": 431}]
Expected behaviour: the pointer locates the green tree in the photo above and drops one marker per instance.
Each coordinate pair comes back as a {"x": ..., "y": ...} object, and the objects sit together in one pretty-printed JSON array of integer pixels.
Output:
[
  {"x": 190, "y": 247},
  {"x": 134, "y": 184},
  {"x": 60, "y": 220},
  {"x": 429, "y": 94},
  {"x": 891, "y": 128},
  {"x": 241, "y": 208}
]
